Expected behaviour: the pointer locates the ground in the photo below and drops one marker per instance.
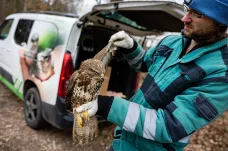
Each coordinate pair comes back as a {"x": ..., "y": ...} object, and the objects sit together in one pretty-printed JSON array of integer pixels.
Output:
[{"x": 15, "y": 135}]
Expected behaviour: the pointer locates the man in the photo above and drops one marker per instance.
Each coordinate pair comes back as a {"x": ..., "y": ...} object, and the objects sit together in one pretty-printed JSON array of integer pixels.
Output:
[{"x": 186, "y": 87}]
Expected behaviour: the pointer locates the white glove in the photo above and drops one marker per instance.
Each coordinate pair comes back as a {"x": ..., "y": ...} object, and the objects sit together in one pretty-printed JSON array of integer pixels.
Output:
[
  {"x": 122, "y": 40},
  {"x": 92, "y": 107}
]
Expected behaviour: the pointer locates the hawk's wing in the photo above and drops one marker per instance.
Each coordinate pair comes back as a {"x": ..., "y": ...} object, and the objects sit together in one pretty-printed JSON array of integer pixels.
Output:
[
  {"x": 105, "y": 55},
  {"x": 84, "y": 89},
  {"x": 69, "y": 90}
]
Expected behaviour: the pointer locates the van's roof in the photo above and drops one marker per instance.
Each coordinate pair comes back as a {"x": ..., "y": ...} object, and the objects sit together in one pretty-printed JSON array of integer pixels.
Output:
[{"x": 44, "y": 16}]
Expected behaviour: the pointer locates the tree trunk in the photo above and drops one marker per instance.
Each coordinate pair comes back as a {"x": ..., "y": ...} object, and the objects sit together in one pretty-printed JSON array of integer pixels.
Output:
[
  {"x": 25, "y": 5},
  {"x": 53, "y": 5},
  {"x": 15, "y": 6},
  {"x": 2, "y": 13}
]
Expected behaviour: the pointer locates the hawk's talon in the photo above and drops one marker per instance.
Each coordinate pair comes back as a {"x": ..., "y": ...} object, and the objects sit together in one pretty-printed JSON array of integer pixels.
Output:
[
  {"x": 79, "y": 120},
  {"x": 86, "y": 115}
]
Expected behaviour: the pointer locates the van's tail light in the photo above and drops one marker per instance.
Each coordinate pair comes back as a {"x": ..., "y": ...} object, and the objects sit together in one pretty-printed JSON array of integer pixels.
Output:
[{"x": 67, "y": 70}]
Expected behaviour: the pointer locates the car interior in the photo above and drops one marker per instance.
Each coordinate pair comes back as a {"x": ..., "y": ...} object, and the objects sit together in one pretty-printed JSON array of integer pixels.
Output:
[{"x": 123, "y": 77}]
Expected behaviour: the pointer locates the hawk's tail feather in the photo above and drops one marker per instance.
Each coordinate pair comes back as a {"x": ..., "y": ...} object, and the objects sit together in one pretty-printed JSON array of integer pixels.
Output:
[
  {"x": 105, "y": 55},
  {"x": 101, "y": 53},
  {"x": 86, "y": 133}
]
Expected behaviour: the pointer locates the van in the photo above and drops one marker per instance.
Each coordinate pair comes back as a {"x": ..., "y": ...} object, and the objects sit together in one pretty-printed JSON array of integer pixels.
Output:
[{"x": 39, "y": 51}]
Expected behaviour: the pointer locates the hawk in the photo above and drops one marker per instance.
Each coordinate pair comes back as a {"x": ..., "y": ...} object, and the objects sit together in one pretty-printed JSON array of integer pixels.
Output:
[{"x": 83, "y": 87}]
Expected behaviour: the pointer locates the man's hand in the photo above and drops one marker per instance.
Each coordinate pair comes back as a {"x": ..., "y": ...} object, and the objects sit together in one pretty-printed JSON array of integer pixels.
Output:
[
  {"x": 122, "y": 40},
  {"x": 92, "y": 107}
]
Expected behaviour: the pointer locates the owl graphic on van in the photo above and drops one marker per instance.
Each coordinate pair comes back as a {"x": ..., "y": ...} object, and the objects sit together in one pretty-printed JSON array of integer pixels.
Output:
[{"x": 38, "y": 56}]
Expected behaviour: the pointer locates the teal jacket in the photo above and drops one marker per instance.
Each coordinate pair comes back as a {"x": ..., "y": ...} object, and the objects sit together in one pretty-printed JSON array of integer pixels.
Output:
[{"x": 180, "y": 95}]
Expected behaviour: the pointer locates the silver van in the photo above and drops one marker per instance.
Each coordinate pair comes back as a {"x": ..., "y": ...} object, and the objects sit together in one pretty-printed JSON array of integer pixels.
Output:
[{"x": 39, "y": 52}]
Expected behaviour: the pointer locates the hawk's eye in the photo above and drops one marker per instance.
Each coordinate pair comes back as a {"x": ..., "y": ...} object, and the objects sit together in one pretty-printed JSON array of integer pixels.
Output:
[{"x": 93, "y": 71}]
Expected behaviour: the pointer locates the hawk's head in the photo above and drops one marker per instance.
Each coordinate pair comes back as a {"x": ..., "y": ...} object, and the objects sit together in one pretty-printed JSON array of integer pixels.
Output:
[{"x": 95, "y": 69}]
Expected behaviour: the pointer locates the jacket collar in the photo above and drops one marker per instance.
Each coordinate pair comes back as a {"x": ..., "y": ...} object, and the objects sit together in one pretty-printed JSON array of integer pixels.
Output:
[{"x": 200, "y": 49}]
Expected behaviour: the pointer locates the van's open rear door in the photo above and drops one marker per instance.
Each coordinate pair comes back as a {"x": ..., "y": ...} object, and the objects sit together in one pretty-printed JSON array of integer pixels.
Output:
[{"x": 138, "y": 17}]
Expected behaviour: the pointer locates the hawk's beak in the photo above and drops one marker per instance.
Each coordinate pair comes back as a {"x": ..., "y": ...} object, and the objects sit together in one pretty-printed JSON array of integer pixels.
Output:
[{"x": 102, "y": 77}]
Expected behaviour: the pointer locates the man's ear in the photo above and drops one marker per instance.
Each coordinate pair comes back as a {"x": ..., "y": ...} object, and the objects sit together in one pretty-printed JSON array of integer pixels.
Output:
[{"x": 222, "y": 29}]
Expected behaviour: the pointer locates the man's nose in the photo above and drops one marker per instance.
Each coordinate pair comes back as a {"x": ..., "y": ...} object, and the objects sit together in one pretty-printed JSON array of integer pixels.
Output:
[{"x": 186, "y": 18}]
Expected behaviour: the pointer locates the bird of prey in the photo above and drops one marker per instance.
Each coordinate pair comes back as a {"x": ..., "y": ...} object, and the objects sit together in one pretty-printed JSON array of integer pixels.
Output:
[{"x": 83, "y": 87}]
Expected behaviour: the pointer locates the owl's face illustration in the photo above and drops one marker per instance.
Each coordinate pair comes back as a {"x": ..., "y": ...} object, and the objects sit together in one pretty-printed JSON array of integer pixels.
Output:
[{"x": 45, "y": 60}]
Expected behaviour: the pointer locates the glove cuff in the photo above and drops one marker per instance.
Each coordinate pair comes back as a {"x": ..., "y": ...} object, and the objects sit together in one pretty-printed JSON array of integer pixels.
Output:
[
  {"x": 128, "y": 51},
  {"x": 104, "y": 105}
]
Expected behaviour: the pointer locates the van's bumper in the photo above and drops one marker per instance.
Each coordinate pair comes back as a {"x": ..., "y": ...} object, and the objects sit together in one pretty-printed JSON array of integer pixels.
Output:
[{"x": 57, "y": 115}]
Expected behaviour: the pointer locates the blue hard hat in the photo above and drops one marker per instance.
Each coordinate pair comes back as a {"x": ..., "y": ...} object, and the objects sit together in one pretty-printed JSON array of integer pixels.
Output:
[{"x": 217, "y": 10}]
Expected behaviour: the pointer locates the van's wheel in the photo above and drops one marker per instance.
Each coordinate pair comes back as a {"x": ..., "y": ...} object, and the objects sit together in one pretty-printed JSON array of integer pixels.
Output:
[{"x": 33, "y": 110}]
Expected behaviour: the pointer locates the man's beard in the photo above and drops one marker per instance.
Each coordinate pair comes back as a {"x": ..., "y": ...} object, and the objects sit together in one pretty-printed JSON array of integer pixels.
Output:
[{"x": 208, "y": 34}]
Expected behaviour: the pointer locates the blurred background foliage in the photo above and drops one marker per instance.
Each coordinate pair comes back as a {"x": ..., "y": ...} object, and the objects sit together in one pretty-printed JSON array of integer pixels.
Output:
[
  {"x": 68, "y": 6},
  {"x": 14, "y": 6}
]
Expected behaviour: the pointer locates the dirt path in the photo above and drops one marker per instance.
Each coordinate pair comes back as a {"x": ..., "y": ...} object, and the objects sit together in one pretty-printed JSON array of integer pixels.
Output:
[{"x": 15, "y": 135}]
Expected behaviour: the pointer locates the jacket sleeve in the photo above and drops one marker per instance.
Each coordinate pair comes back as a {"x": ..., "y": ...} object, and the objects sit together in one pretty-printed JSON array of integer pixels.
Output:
[
  {"x": 188, "y": 112},
  {"x": 138, "y": 58}
]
